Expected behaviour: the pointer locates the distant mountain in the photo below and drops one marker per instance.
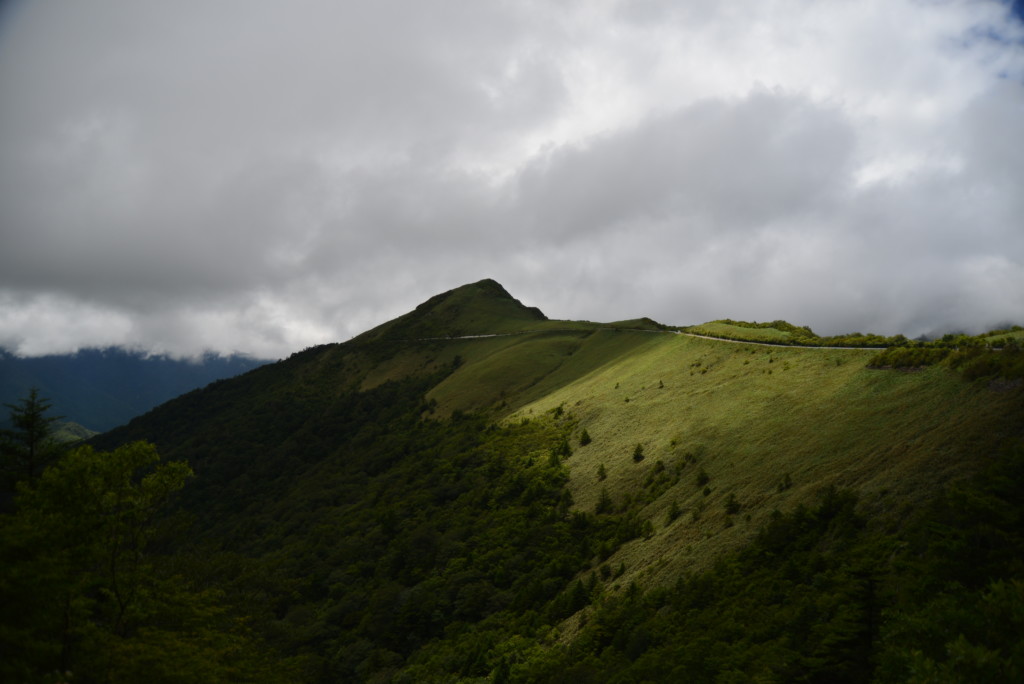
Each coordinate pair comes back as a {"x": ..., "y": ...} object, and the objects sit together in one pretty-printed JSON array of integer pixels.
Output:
[{"x": 103, "y": 388}]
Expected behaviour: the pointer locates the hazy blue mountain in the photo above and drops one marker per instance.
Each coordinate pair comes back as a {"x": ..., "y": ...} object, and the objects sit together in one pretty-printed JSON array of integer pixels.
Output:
[{"x": 103, "y": 388}]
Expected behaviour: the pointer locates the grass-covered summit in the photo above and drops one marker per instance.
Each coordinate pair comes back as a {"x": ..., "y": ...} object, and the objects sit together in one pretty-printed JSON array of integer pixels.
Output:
[{"x": 480, "y": 308}]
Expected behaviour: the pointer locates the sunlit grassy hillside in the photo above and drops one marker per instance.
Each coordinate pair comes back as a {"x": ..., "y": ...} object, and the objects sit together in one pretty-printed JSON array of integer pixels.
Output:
[
  {"x": 771, "y": 427},
  {"x": 730, "y": 331}
]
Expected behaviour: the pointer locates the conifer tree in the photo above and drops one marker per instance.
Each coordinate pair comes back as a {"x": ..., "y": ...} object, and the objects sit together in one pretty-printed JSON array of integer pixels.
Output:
[{"x": 28, "y": 447}]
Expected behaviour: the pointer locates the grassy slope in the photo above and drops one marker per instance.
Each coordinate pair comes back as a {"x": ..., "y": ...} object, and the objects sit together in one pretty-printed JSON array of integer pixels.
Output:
[
  {"x": 67, "y": 431},
  {"x": 507, "y": 372},
  {"x": 1018, "y": 335},
  {"x": 748, "y": 414},
  {"x": 728, "y": 330},
  {"x": 752, "y": 414}
]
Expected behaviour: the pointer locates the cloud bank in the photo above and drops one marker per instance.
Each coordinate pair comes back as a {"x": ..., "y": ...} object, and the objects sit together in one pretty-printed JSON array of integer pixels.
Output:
[{"x": 260, "y": 176}]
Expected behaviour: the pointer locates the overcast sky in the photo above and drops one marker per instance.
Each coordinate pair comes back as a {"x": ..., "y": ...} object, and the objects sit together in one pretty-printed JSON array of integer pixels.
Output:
[{"x": 262, "y": 176}]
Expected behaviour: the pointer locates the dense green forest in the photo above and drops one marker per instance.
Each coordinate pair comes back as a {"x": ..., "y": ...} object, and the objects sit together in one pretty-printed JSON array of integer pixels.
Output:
[
  {"x": 341, "y": 516},
  {"x": 422, "y": 547}
]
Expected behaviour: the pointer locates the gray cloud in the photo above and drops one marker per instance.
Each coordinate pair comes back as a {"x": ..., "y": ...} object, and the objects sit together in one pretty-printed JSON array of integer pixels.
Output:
[
  {"x": 726, "y": 164},
  {"x": 259, "y": 176}
]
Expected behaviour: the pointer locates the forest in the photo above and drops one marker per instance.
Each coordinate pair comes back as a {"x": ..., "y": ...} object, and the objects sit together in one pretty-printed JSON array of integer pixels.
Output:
[{"x": 451, "y": 551}]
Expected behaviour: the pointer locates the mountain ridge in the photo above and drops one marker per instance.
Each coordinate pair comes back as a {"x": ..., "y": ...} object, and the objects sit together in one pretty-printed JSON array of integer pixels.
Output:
[
  {"x": 420, "y": 505},
  {"x": 591, "y": 372}
]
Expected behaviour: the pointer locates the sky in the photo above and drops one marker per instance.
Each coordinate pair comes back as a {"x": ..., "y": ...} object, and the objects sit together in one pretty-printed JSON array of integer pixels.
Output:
[{"x": 259, "y": 177}]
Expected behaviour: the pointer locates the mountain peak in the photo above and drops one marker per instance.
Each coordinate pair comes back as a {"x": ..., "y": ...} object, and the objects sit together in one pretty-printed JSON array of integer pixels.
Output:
[
  {"x": 488, "y": 285},
  {"x": 479, "y": 308}
]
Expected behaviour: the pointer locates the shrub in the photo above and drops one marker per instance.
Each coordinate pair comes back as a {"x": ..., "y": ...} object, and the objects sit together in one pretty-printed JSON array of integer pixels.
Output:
[
  {"x": 673, "y": 513},
  {"x": 702, "y": 478}
]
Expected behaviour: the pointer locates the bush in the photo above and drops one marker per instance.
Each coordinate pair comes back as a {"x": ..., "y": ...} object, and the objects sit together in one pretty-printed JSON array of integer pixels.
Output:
[
  {"x": 702, "y": 478},
  {"x": 908, "y": 357},
  {"x": 673, "y": 513}
]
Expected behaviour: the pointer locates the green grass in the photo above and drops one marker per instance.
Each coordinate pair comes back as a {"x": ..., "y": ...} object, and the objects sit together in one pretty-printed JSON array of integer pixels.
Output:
[
  {"x": 511, "y": 371},
  {"x": 1016, "y": 335},
  {"x": 749, "y": 415},
  {"x": 736, "y": 332},
  {"x": 67, "y": 431}
]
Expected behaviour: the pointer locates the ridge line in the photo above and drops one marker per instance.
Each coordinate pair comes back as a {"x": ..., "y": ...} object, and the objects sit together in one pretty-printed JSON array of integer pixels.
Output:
[{"x": 641, "y": 330}]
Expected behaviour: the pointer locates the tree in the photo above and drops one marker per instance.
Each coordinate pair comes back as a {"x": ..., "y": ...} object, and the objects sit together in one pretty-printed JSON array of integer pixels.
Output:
[
  {"x": 82, "y": 590},
  {"x": 638, "y": 453},
  {"x": 584, "y": 437},
  {"x": 81, "y": 531},
  {"x": 29, "y": 446}
]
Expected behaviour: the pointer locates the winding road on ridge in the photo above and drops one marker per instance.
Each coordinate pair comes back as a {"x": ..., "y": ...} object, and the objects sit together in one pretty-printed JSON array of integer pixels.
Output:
[{"x": 640, "y": 330}]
